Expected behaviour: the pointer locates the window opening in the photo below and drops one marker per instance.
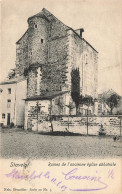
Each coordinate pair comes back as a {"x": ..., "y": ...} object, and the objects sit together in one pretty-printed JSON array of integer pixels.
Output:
[
  {"x": 3, "y": 116},
  {"x": 9, "y": 90}
]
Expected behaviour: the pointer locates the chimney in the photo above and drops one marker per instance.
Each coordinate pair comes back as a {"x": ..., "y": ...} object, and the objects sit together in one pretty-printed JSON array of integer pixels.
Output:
[{"x": 81, "y": 31}]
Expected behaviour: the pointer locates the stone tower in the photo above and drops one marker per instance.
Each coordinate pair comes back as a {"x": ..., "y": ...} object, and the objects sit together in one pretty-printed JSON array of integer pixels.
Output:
[{"x": 38, "y": 39}]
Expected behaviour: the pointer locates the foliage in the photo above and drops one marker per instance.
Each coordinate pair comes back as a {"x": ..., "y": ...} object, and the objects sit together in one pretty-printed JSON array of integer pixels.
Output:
[
  {"x": 76, "y": 98},
  {"x": 11, "y": 124},
  {"x": 70, "y": 106},
  {"x": 11, "y": 74},
  {"x": 113, "y": 101},
  {"x": 75, "y": 87},
  {"x": 25, "y": 72},
  {"x": 88, "y": 101}
]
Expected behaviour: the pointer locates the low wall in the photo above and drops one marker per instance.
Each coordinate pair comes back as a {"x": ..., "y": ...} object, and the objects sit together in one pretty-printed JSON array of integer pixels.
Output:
[{"x": 74, "y": 124}]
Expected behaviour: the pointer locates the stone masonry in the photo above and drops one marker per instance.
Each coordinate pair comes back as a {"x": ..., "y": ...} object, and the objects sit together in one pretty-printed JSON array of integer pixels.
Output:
[
  {"x": 47, "y": 53},
  {"x": 45, "y": 56}
]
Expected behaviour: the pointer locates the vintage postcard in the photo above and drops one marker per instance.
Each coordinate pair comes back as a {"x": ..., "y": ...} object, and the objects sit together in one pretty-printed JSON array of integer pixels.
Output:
[{"x": 60, "y": 96}]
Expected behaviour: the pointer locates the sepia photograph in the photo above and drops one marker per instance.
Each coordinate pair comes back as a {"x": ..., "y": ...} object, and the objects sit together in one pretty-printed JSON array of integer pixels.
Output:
[{"x": 60, "y": 81}]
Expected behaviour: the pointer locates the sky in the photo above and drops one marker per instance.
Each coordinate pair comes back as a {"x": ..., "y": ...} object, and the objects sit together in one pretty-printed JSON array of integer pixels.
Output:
[{"x": 101, "y": 20}]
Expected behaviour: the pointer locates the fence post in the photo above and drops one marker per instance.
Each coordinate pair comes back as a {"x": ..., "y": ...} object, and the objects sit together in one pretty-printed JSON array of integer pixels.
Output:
[
  {"x": 51, "y": 115},
  {"x": 37, "y": 113},
  {"x": 68, "y": 121},
  {"x": 120, "y": 126},
  {"x": 87, "y": 121}
]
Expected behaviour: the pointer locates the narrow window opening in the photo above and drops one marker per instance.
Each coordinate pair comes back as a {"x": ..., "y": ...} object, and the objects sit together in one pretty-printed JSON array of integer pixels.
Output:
[
  {"x": 35, "y": 25},
  {"x": 42, "y": 40},
  {"x": 9, "y": 90},
  {"x": 60, "y": 88}
]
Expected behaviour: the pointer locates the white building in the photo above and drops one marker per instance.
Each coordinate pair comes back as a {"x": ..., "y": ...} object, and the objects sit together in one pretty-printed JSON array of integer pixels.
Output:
[{"x": 12, "y": 105}]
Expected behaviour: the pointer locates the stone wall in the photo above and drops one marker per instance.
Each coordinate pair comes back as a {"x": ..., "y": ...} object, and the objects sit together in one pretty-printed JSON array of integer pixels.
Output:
[
  {"x": 79, "y": 124},
  {"x": 32, "y": 82},
  {"x": 82, "y": 55},
  {"x": 54, "y": 74},
  {"x": 59, "y": 104},
  {"x": 54, "y": 77},
  {"x": 56, "y": 49},
  {"x": 38, "y": 112},
  {"x": 21, "y": 92},
  {"x": 37, "y": 115},
  {"x": 51, "y": 54},
  {"x": 22, "y": 55},
  {"x": 39, "y": 120},
  {"x": 38, "y": 33},
  {"x": 57, "y": 28}
]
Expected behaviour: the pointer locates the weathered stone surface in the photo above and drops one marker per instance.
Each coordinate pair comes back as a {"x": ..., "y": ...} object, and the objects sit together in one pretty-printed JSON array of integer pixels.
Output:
[
  {"x": 22, "y": 55},
  {"x": 44, "y": 43},
  {"x": 79, "y": 124},
  {"x": 56, "y": 49},
  {"x": 46, "y": 55}
]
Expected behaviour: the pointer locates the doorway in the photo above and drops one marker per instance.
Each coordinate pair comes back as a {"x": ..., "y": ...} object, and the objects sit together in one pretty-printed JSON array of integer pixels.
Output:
[{"x": 8, "y": 119}]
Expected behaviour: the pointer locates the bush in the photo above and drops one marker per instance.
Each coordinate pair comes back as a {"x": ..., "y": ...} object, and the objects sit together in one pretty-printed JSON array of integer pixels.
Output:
[
  {"x": 29, "y": 129},
  {"x": 11, "y": 124},
  {"x": 1, "y": 124}
]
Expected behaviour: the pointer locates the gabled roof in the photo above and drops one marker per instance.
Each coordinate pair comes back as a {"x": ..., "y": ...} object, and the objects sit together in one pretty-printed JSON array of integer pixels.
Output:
[
  {"x": 47, "y": 16},
  {"x": 41, "y": 15},
  {"x": 22, "y": 36},
  {"x": 46, "y": 95},
  {"x": 82, "y": 39},
  {"x": 50, "y": 18},
  {"x": 13, "y": 81}
]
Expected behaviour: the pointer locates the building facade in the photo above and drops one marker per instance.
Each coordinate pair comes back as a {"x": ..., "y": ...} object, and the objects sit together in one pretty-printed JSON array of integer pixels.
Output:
[
  {"x": 46, "y": 55},
  {"x": 12, "y": 104}
]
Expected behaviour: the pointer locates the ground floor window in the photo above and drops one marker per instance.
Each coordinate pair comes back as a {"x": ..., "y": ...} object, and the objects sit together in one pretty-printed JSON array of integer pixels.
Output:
[
  {"x": 8, "y": 103},
  {"x": 3, "y": 116}
]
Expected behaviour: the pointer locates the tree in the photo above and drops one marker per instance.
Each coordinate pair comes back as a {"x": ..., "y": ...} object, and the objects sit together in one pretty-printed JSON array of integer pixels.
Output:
[
  {"x": 88, "y": 101},
  {"x": 103, "y": 99},
  {"x": 75, "y": 87},
  {"x": 70, "y": 106},
  {"x": 113, "y": 101}
]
